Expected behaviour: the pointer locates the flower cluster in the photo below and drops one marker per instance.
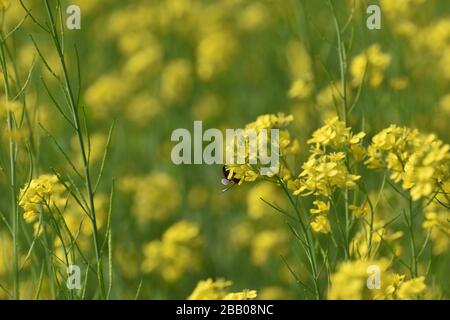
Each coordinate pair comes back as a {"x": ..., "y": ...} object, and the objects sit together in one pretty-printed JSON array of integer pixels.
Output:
[
  {"x": 350, "y": 281},
  {"x": 39, "y": 195},
  {"x": 248, "y": 171},
  {"x": 176, "y": 253},
  {"x": 418, "y": 160},
  {"x": 336, "y": 135},
  {"x": 218, "y": 290},
  {"x": 327, "y": 168}
]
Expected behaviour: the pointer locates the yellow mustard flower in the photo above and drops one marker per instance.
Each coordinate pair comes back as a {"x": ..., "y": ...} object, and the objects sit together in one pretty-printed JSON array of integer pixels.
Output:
[
  {"x": 286, "y": 144},
  {"x": 411, "y": 289},
  {"x": 321, "y": 207},
  {"x": 39, "y": 194},
  {"x": 322, "y": 175},
  {"x": 335, "y": 135},
  {"x": 320, "y": 224},
  {"x": 418, "y": 160}
]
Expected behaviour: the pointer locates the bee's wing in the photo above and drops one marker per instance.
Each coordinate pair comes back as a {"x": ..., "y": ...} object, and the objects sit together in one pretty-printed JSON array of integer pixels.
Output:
[{"x": 228, "y": 183}]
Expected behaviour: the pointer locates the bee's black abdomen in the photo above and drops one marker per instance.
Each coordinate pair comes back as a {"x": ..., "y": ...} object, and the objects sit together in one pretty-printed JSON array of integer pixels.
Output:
[{"x": 226, "y": 172}]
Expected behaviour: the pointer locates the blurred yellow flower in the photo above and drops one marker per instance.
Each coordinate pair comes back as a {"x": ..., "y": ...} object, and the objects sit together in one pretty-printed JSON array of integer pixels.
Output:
[
  {"x": 253, "y": 17},
  {"x": 241, "y": 234},
  {"x": 399, "y": 83},
  {"x": 274, "y": 293},
  {"x": 300, "y": 89},
  {"x": 4, "y": 4},
  {"x": 437, "y": 222},
  {"x": 6, "y": 254},
  {"x": 176, "y": 81},
  {"x": 176, "y": 253},
  {"x": 197, "y": 196},
  {"x": 359, "y": 211},
  {"x": 267, "y": 243},
  {"x": 215, "y": 52},
  {"x": 147, "y": 192},
  {"x": 373, "y": 62},
  {"x": 444, "y": 103},
  {"x": 256, "y": 208},
  {"x": 145, "y": 61},
  {"x": 208, "y": 106},
  {"x": 142, "y": 109},
  {"x": 106, "y": 94},
  {"x": 349, "y": 281},
  {"x": 409, "y": 290},
  {"x": 210, "y": 289}
]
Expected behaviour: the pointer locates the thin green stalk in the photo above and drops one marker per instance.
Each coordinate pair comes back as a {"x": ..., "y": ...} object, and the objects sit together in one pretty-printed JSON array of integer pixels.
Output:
[
  {"x": 372, "y": 213},
  {"x": 343, "y": 75},
  {"x": 13, "y": 182},
  {"x": 412, "y": 240},
  {"x": 342, "y": 65},
  {"x": 49, "y": 259},
  {"x": 309, "y": 242},
  {"x": 77, "y": 123},
  {"x": 14, "y": 209}
]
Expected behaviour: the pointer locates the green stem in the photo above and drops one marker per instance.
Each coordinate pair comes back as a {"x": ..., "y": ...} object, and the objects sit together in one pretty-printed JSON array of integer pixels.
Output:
[
  {"x": 412, "y": 241},
  {"x": 88, "y": 183},
  {"x": 342, "y": 65},
  {"x": 48, "y": 258},
  {"x": 343, "y": 74},
  {"x": 14, "y": 209},
  {"x": 13, "y": 182},
  {"x": 309, "y": 241}
]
